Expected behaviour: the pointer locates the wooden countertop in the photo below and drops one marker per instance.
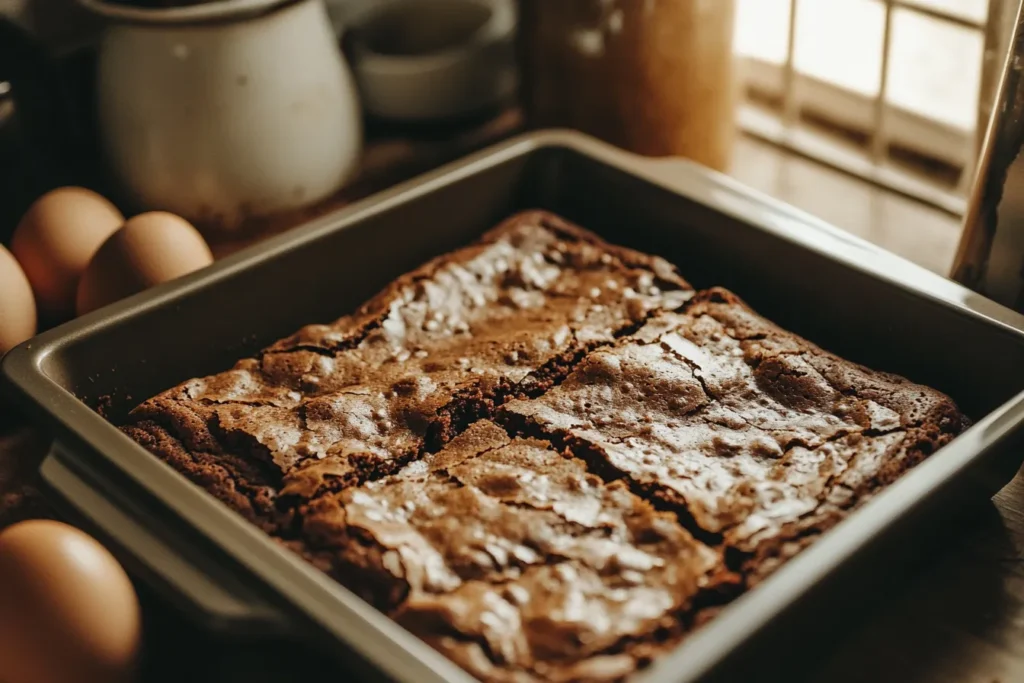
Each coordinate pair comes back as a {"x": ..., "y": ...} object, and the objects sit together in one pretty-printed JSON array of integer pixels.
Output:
[{"x": 959, "y": 620}]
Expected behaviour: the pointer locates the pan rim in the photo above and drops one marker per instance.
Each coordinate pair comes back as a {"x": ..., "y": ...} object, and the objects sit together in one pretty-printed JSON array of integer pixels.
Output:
[{"x": 270, "y": 564}]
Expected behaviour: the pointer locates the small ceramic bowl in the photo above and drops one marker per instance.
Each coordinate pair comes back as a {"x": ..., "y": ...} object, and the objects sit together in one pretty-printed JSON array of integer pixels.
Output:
[{"x": 434, "y": 60}]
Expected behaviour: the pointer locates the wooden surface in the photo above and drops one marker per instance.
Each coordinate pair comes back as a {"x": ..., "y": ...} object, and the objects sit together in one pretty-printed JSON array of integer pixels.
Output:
[
  {"x": 917, "y": 232},
  {"x": 960, "y": 619}
]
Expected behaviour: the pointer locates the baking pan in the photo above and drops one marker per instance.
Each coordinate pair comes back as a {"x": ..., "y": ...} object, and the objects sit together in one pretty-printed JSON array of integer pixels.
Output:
[{"x": 844, "y": 294}]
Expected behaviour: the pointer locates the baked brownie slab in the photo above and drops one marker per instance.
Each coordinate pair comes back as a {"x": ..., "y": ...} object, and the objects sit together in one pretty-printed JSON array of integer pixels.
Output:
[
  {"x": 436, "y": 350},
  {"x": 515, "y": 561},
  {"x": 367, "y": 446},
  {"x": 756, "y": 437}
]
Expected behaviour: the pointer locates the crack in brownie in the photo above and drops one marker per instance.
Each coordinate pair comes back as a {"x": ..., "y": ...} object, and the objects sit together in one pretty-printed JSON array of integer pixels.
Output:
[
  {"x": 754, "y": 436},
  {"x": 515, "y": 561},
  {"x": 543, "y": 454},
  {"x": 334, "y": 405}
]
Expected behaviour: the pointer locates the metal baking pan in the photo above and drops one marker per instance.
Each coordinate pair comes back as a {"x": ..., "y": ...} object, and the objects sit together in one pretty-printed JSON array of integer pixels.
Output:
[{"x": 848, "y": 296}]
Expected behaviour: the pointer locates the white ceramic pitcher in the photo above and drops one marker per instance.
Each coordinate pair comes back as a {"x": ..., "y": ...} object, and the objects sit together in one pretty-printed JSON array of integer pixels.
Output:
[{"x": 228, "y": 109}]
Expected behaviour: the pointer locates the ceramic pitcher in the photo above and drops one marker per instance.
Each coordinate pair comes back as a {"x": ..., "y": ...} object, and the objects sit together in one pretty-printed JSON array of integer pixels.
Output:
[{"x": 226, "y": 110}]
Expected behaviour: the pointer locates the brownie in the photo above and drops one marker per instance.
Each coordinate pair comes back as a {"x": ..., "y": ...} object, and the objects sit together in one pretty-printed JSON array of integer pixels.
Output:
[
  {"x": 515, "y": 561},
  {"x": 545, "y": 455},
  {"x": 334, "y": 405},
  {"x": 757, "y": 438}
]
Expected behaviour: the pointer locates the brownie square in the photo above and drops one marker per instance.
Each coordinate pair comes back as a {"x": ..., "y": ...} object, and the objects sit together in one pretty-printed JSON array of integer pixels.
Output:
[
  {"x": 758, "y": 439},
  {"x": 334, "y": 405},
  {"x": 515, "y": 561}
]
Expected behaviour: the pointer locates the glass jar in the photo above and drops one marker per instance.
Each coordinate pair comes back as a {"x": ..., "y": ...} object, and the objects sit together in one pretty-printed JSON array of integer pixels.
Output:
[{"x": 656, "y": 77}]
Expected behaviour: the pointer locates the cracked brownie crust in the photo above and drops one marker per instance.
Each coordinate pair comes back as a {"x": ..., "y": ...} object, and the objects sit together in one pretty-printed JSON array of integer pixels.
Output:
[
  {"x": 514, "y": 560},
  {"x": 755, "y": 437},
  {"x": 337, "y": 404},
  {"x": 543, "y": 454}
]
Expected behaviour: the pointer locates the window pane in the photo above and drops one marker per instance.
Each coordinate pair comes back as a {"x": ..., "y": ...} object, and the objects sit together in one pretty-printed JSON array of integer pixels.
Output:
[
  {"x": 975, "y": 10},
  {"x": 840, "y": 41},
  {"x": 935, "y": 68},
  {"x": 762, "y": 29}
]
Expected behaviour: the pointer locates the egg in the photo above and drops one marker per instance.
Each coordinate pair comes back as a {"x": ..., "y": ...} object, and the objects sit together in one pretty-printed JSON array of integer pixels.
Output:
[
  {"x": 17, "y": 306},
  {"x": 151, "y": 248},
  {"x": 68, "y": 612},
  {"x": 55, "y": 241}
]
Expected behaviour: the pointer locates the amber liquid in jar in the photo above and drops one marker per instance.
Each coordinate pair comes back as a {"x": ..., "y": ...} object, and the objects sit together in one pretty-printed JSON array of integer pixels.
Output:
[{"x": 656, "y": 77}]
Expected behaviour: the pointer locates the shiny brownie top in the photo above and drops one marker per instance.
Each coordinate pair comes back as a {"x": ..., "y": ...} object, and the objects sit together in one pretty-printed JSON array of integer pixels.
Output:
[
  {"x": 747, "y": 429},
  {"x": 512, "y": 558},
  {"x": 494, "y": 320}
]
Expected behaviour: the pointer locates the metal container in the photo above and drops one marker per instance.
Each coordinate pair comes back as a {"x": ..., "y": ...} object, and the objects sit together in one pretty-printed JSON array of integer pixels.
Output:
[{"x": 837, "y": 290}]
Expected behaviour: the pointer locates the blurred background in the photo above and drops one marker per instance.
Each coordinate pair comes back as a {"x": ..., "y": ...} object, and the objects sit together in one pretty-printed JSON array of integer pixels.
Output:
[{"x": 891, "y": 93}]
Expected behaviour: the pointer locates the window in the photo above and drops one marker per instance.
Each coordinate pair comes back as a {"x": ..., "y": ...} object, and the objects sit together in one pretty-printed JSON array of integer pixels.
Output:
[{"x": 895, "y": 91}]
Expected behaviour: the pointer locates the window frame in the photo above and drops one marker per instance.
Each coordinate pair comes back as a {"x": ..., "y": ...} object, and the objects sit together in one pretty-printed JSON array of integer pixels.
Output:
[{"x": 881, "y": 124}]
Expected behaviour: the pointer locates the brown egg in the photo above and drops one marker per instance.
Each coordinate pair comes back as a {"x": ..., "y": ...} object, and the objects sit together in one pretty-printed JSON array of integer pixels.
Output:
[
  {"x": 68, "y": 612},
  {"x": 17, "y": 306},
  {"x": 151, "y": 248},
  {"x": 55, "y": 241}
]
